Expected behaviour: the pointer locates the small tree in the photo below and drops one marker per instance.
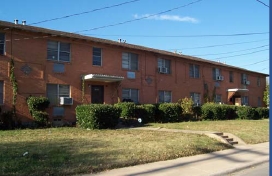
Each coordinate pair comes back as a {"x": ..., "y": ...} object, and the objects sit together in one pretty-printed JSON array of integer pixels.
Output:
[{"x": 266, "y": 95}]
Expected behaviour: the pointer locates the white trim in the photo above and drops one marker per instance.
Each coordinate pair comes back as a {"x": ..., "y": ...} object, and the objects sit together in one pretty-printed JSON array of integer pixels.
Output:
[
  {"x": 237, "y": 90},
  {"x": 103, "y": 78}
]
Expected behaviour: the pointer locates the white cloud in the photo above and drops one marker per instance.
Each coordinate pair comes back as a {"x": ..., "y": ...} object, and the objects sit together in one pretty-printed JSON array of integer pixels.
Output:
[{"x": 167, "y": 17}]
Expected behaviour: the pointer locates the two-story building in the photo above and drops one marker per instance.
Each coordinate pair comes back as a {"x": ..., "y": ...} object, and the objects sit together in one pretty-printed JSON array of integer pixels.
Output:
[{"x": 72, "y": 69}]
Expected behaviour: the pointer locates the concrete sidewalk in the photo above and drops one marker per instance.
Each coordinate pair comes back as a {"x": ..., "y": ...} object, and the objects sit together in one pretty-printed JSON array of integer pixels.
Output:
[{"x": 216, "y": 163}]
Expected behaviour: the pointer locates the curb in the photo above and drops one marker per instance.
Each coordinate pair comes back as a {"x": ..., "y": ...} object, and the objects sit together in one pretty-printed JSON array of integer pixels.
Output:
[{"x": 231, "y": 171}]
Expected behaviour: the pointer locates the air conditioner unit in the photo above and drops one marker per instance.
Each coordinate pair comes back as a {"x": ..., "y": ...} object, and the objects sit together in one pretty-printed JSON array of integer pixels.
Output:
[
  {"x": 220, "y": 78},
  {"x": 247, "y": 82},
  {"x": 66, "y": 101},
  {"x": 163, "y": 70}
]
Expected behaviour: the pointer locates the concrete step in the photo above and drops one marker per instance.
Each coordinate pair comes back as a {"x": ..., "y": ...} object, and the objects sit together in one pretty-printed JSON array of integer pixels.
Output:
[
  {"x": 233, "y": 142},
  {"x": 229, "y": 139},
  {"x": 219, "y": 134}
]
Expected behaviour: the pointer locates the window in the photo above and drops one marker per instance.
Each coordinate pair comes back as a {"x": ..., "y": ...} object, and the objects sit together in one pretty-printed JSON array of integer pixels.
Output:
[
  {"x": 58, "y": 51},
  {"x": 196, "y": 98},
  {"x": 1, "y": 92},
  {"x": 2, "y": 43},
  {"x": 130, "y": 61},
  {"x": 58, "y": 68},
  {"x": 194, "y": 71},
  {"x": 243, "y": 78},
  {"x": 244, "y": 100},
  {"x": 130, "y": 95},
  {"x": 58, "y": 111},
  {"x": 97, "y": 56},
  {"x": 55, "y": 91},
  {"x": 165, "y": 96},
  {"x": 218, "y": 98},
  {"x": 230, "y": 76},
  {"x": 259, "y": 81},
  {"x": 216, "y": 73},
  {"x": 164, "y": 66}
]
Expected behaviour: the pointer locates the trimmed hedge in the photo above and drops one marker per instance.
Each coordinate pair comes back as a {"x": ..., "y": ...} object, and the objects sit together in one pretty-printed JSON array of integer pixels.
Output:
[
  {"x": 211, "y": 111},
  {"x": 37, "y": 106},
  {"x": 146, "y": 112},
  {"x": 97, "y": 116},
  {"x": 246, "y": 112},
  {"x": 127, "y": 109},
  {"x": 263, "y": 112},
  {"x": 169, "y": 112}
]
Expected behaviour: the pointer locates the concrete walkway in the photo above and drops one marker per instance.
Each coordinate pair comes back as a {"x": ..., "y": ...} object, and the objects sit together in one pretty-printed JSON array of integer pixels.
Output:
[{"x": 216, "y": 163}]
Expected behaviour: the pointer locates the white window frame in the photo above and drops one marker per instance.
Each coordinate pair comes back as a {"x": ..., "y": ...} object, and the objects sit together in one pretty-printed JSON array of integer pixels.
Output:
[
  {"x": 2, "y": 42},
  {"x": 216, "y": 73},
  {"x": 58, "y": 94},
  {"x": 58, "y": 51},
  {"x": 193, "y": 70},
  {"x": 165, "y": 96},
  {"x": 129, "y": 92},
  {"x": 97, "y": 57},
  {"x": 162, "y": 64},
  {"x": 127, "y": 61},
  {"x": 196, "y": 97}
]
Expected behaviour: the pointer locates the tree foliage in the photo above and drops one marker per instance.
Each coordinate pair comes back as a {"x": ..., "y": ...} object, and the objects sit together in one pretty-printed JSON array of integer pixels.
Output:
[{"x": 266, "y": 95}]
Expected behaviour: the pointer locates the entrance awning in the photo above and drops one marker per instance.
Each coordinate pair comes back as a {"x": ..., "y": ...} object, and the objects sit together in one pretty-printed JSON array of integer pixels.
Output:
[
  {"x": 237, "y": 90},
  {"x": 103, "y": 78}
]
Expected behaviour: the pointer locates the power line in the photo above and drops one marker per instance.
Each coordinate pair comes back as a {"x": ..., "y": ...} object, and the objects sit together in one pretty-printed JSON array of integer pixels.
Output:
[
  {"x": 94, "y": 10},
  {"x": 231, "y": 51},
  {"x": 227, "y": 44},
  {"x": 262, "y": 3},
  {"x": 176, "y": 36},
  {"x": 138, "y": 19},
  {"x": 240, "y": 54},
  {"x": 255, "y": 63}
]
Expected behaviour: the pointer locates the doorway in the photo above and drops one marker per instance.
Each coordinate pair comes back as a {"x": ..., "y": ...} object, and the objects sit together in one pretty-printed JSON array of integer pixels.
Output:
[{"x": 97, "y": 94}]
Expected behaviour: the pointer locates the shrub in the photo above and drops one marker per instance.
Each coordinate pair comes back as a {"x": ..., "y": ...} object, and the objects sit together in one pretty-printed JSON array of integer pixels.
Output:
[
  {"x": 146, "y": 112},
  {"x": 37, "y": 103},
  {"x": 246, "y": 112},
  {"x": 170, "y": 112},
  {"x": 6, "y": 120},
  {"x": 37, "y": 106},
  {"x": 97, "y": 116},
  {"x": 40, "y": 117},
  {"x": 196, "y": 113},
  {"x": 262, "y": 112},
  {"x": 127, "y": 109},
  {"x": 212, "y": 111},
  {"x": 207, "y": 111}
]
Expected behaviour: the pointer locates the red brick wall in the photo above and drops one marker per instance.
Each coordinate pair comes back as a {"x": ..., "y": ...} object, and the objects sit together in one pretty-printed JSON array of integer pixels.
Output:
[{"x": 33, "y": 53}]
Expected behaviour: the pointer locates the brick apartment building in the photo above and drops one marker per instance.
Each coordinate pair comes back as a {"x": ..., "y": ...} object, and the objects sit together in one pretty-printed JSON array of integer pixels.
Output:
[{"x": 72, "y": 69}]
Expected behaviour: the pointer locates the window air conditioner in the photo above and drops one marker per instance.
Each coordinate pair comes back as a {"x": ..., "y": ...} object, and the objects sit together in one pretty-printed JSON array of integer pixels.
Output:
[
  {"x": 163, "y": 70},
  {"x": 220, "y": 78},
  {"x": 66, "y": 101},
  {"x": 247, "y": 82}
]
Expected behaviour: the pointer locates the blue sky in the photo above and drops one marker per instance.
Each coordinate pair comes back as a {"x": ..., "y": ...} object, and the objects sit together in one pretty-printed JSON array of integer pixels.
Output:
[{"x": 178, "y": 26}]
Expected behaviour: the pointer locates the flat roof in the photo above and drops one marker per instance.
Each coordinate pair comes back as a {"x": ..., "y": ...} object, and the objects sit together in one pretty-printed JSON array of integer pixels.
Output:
[{"x": 54, "y": 33}]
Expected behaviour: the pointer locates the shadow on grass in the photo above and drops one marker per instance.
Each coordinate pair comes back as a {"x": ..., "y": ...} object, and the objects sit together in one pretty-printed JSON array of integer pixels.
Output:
[
  {"x": 230, "y": 157},
  {"x": 62, "y": 157}
]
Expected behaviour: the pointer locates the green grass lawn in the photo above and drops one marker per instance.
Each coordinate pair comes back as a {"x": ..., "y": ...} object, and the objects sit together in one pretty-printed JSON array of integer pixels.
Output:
[
  {"x": 70, "y": 151},
  {"x": 250, "y": 131}
]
